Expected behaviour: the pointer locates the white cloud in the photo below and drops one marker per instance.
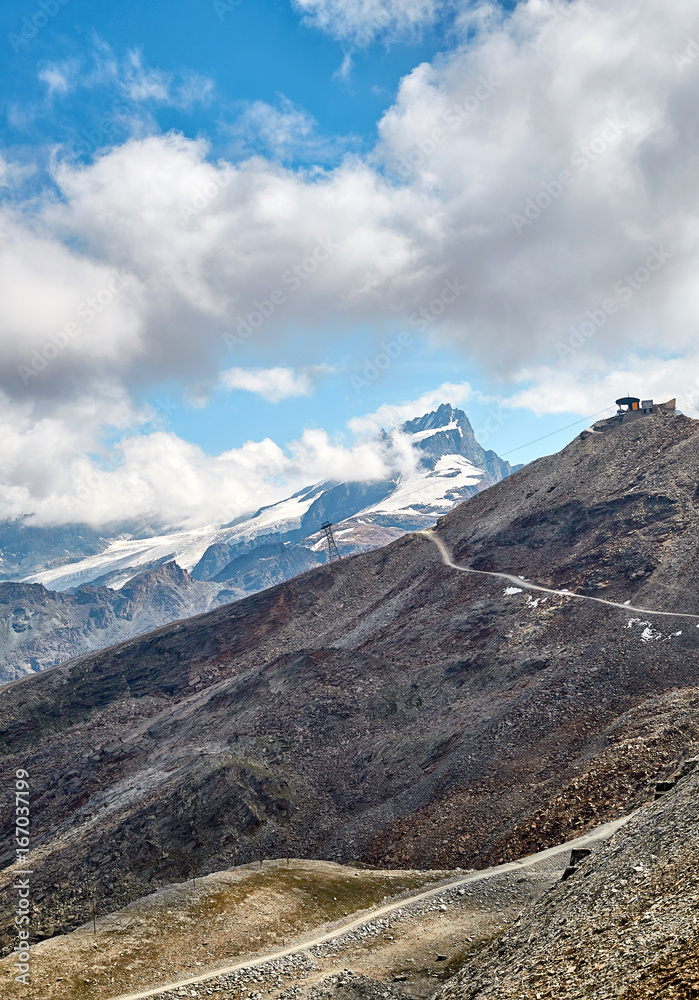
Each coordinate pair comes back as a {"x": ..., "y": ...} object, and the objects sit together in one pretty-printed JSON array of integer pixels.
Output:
[
  {"x": 59, "y": 79},
  {"x": 344, "y": 71},
  {"x": 475, "y": 138},
  {"x": 529, "y": 96},
  {"x": 273, "y": 384},
  {"x": 42, "y": 446},
  {"x": 130, "y": 76},
  {"x": 13, "y": 175},
  {"x": 393, "y": 415},
  {"x": 592, "y": 383},
  {"x": 66, "y": 317},
  {"x": 140, "y": 82},
  {"x": 284, "y": 132},
  {"x": 212, "y": 242},
  {"x": 360, "y": 21},
  {"x": 51, "y": 473}
]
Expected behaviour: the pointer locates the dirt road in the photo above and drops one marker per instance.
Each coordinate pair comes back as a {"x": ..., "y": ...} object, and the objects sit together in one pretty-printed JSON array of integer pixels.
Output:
[
  {"x": 346, "y": 928},
  {"x": 518, "y": 581}
]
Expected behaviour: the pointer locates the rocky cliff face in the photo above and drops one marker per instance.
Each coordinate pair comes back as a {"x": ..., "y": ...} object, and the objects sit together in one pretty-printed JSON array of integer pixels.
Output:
[
  {"x": 388, "y": 708},
  {"x": 39, "y": 628},
  {"x": 448, "y": 431}
]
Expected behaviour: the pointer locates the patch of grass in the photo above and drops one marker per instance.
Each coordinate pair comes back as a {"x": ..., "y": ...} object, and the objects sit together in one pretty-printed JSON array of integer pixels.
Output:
[
  {"x": 316, "y": 896},
  {"x": 218, "y": 923}
]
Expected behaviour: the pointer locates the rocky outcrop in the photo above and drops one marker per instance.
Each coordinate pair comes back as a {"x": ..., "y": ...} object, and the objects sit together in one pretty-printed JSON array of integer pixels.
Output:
[
  {"x": 456, "y": 438},
  {"x": 39, "y": 627}
]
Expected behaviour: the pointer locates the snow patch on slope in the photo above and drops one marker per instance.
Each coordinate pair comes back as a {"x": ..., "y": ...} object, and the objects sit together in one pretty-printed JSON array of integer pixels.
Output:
[
  {"x": 129, "y": 554},
  {"x": 423, "y": 435},
  {"x": 279, "y": 517},
  {"x": 185, "y": 547},
  {"x": 438, "y": 489}
]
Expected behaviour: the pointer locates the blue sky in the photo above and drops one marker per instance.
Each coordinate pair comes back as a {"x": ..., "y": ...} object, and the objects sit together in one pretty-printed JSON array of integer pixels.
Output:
[
  {"x": 196, "y": 156},
  {"x": 256, "y": 51}
]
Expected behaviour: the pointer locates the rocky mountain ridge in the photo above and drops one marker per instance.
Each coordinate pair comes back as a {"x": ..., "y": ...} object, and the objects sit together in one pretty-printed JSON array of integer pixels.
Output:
[
  {"x": 39, "y": 627},
  {"x": 387, "y": 708}
]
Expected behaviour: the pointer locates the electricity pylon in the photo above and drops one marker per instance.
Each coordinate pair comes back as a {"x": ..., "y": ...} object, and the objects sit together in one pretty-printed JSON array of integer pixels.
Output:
[{"x": 333, "y": 552}]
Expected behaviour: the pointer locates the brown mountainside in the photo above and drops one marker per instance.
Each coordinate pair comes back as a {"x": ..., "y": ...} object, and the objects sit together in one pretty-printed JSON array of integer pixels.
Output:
[{"x": 386, "y": 708}]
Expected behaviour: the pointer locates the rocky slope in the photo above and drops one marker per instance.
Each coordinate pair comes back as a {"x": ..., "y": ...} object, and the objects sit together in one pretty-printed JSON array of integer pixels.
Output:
[
  {"x": 624, "y": 924},
  {"x": 386, "y": 708},
  {"x": 413, "y": 928},
  {"x": 39, "y": 628}
]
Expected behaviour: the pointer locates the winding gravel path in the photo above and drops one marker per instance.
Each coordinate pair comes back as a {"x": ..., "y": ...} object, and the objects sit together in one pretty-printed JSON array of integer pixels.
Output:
[
  {"x": 526, "y": 585},
  {"x": 603, "y": 832}
]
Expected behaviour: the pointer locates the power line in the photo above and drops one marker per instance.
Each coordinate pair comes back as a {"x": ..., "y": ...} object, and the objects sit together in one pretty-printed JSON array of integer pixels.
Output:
[{"x": 559, "y": 431}]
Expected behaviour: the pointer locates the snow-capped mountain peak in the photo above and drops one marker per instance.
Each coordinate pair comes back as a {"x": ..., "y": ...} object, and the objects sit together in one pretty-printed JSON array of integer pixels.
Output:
[
  {"x": 451, "y": 467},
  {"x": 108, "y": 589}
]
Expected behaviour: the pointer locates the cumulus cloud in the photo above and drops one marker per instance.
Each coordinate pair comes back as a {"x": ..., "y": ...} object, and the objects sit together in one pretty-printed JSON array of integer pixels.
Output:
[
  {"x": 360, "y": 21},
  {"x": 465, "y": 184},
  {"x": 541, "y": 163},
  {"x": 274, "y": 384},
  {"x": 561, "y": 157},
  {"x": 67, "y": 318},
  {"x": 51, "y": 476},
  {"x": 216, "y": 244},
  {"x": 390, "y": 416},
  {"x": 44, "y": 446}
]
